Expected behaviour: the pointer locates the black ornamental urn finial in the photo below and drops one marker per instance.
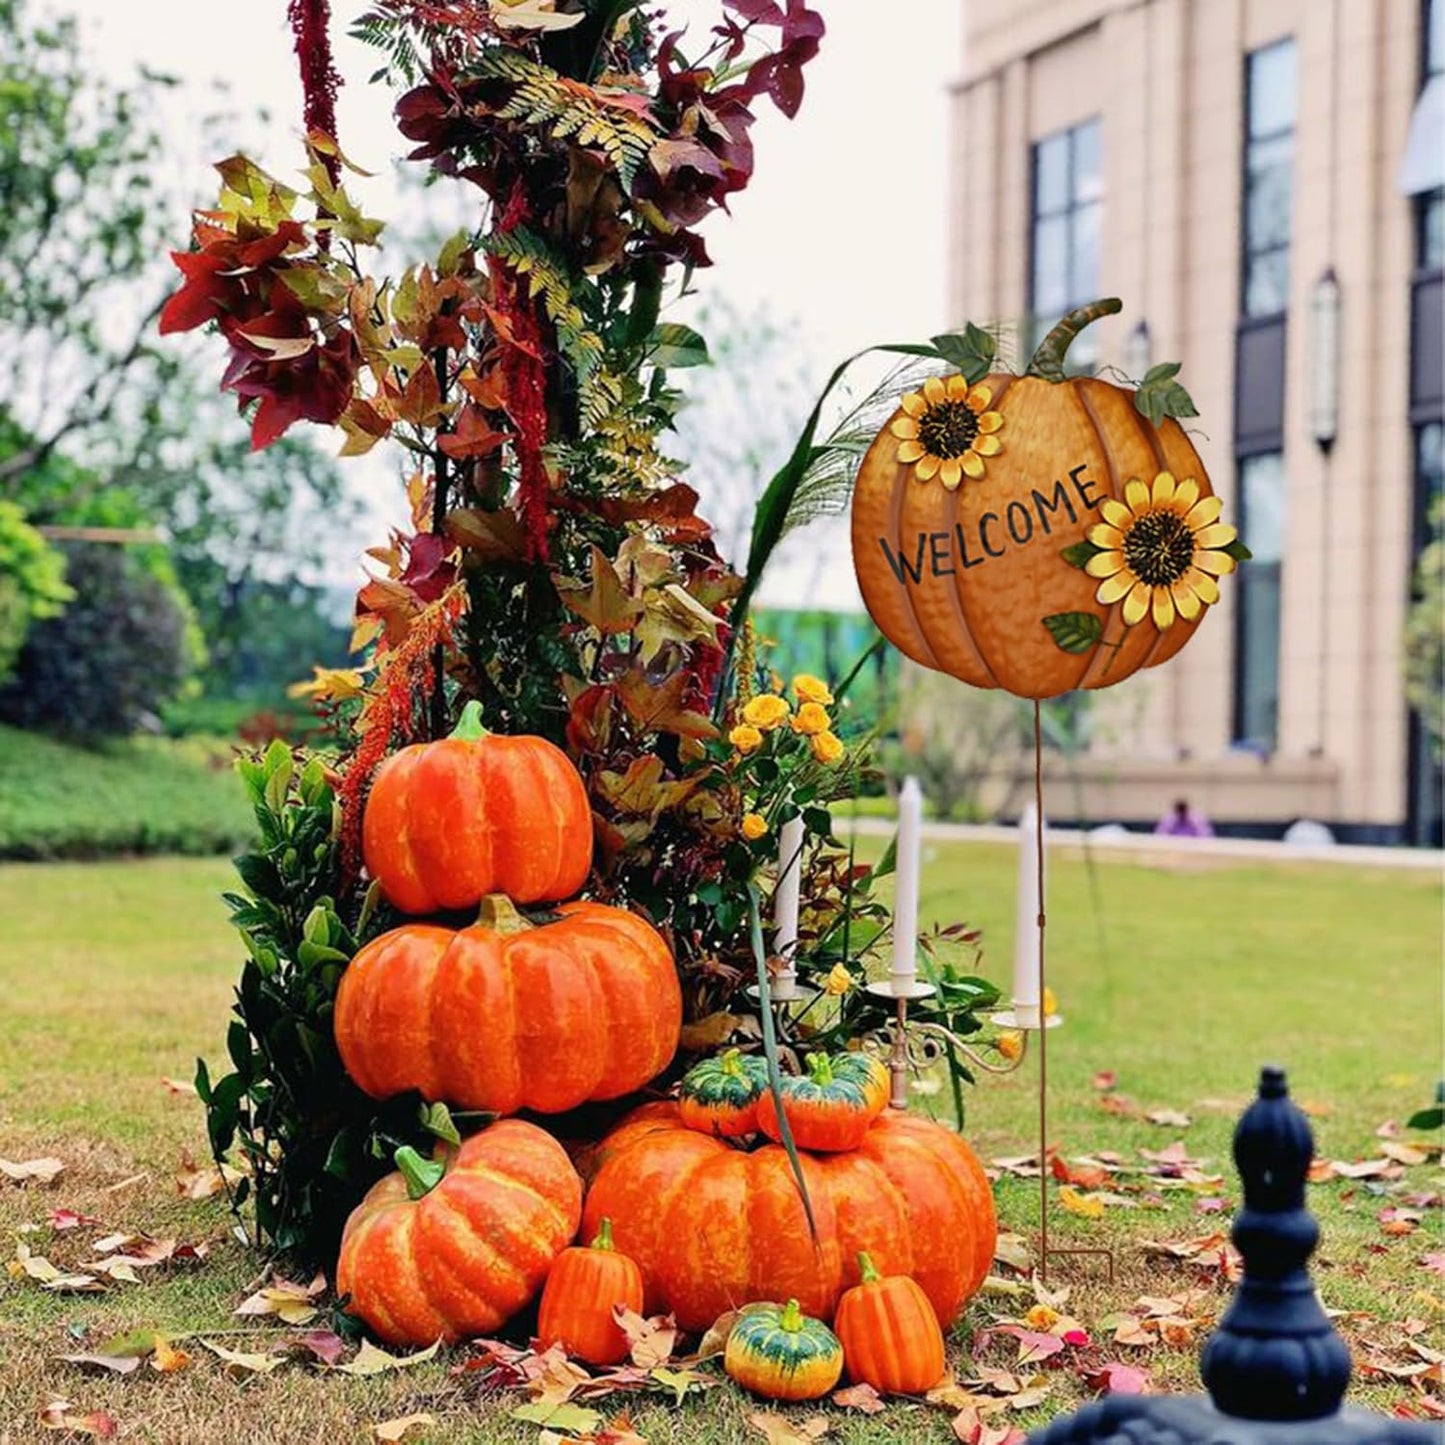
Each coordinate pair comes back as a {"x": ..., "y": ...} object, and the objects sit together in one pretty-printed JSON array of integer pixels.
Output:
[{"x": 1275, "y": 1369}]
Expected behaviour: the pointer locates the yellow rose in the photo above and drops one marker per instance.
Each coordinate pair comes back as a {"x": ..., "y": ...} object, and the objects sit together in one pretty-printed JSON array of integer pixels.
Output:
[
  {"x": 1042, "y": 1318},
  {"x": 827, "y": 747},
  {"x": 839, "y": 980},
  {"x": 766, "y": 711},
  {"x": 1010, "y": 1045},
  {"x": 807, "y": 688},
  {"x": 754, "y": 826},
  {"x": 812, "y": 719},
  {"x": 1050, "y": 1003},
  {"x": 745, "y": 739}
]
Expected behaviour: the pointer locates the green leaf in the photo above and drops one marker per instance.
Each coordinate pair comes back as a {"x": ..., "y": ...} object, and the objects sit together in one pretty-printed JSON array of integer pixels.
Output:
[
  {"x": 1427, "y": 1118},
  {"x": 452, "y": 253},
  {"x": 1238, "y": 551},
  {"x": 673, "y": 345},
  {"x": 1160, "y": 396},
  {"x": 971, "y": 351},
  {"x": 1075, "y": 631},
  {"x": 575, "y": 1419},
  {"x": 1078, "y": 555}
]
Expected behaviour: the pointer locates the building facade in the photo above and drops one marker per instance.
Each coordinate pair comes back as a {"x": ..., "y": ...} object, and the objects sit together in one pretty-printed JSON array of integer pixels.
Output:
[{"x": 1261, "y": 182}]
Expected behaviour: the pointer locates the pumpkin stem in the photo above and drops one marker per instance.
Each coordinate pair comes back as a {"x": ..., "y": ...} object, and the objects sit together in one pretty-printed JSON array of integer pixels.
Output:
[
  {"x": 499, "y": 913},
  {"x": 820, "y": 1069},
  {"x": 791, "y": 1318},
  {"x": 1048, "y": 360},
  {"x": 731, "y": 1063},
  {"x": 469, "y": 727},
  {"x": 603, "y": 1238},
  {"x": 867, "y": 1270},
  {"x": 421, "y": 1175}
]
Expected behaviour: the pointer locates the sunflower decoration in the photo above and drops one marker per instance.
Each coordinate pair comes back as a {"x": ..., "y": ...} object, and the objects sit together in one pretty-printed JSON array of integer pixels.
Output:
[
  {"x": 947, "y": 430},
  {"x": 1161, "y": 550}
]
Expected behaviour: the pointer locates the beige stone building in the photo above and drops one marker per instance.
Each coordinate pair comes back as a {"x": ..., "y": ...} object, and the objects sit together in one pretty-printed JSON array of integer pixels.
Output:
[{"x": 1260, "y": 180}]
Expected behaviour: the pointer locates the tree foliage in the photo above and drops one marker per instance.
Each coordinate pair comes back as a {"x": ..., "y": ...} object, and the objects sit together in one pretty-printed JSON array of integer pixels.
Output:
[{"x": 116, "y": 654}]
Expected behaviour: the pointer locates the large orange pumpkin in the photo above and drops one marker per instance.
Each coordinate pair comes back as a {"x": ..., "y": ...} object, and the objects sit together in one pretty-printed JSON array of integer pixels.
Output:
[
  {"x": 456, "y": 1247},
  {"x": 506, "y": 1015},
  {"x": 969, "y": 499},
  {"x": 448, "y": 822},
  {"x": 713, "y": 1227}
]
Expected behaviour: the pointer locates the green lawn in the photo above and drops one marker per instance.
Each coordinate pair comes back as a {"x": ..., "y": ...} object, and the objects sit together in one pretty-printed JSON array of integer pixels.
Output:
[
  {"x": 116, "y": 975},
  {"x": 136, "y": 795}
]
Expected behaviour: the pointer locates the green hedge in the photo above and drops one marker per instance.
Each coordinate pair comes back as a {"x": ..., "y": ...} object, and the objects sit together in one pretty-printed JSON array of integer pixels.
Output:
[{"x": 139, "y": 795}]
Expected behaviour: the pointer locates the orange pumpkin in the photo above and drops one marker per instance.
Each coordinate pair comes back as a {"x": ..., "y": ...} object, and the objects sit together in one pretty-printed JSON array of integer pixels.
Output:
[
  {"x": 1036, "y": 533},
  {"x": 455, "y": 1247},
  {"x": 713, "y": 1227},
  {"x": 578, "y": 1299},
  {"x": 890, "y": 1334},
  {"x": 720, "y": 1095},
  {"x": 831, "y": 1106},
  {"x": 506, "y": 1015},
  {"x": 448, "y": 822}
]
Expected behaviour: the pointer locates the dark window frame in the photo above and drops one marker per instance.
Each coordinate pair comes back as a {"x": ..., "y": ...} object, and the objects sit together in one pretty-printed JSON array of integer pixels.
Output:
[
  {"x": 1248, "y": 253},
  {"x": 1070, "y": 211}
]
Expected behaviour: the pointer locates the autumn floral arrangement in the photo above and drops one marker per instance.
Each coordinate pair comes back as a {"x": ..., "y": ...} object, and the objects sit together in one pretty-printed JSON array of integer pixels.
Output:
[{"x": 556, "y": 581}]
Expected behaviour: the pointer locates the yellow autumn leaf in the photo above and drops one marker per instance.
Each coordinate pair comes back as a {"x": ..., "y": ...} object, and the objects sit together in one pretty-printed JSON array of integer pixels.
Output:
[{"x": 1084, "y": 1205}]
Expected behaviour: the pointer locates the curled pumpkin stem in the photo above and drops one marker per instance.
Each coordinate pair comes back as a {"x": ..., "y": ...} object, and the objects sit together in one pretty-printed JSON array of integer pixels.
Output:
[
  {"x": 421, "y": 1175},
  {"x": 1048, "y": 361}
]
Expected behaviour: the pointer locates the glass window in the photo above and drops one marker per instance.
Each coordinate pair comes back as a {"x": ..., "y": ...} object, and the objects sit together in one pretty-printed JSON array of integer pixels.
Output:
[
  {"x": 1268, "y": 178},
  {"x": 1432, "y": 28},
  {"x": 1065, "y": 227},
  {"x": 1430, "y": 231},
  {"x": 1256, "y": 669},
  {"x": 1429, "y": 479}
]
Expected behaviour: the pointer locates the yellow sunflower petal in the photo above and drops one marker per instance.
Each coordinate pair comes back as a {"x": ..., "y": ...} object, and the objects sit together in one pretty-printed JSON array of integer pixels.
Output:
[
  {"x": 1136, "y": 496},
  {"x": 1203, "y": 512},
  {"x": 973, "y": 464},
  {"x": 1136, "y": 604},
  {"x": 1104, "y": 564},
  {"x": 909, "y": 451},
  {"x": 951, "y": 473},
  {"x": 1163, "y": 609},
  {"x": 1202, "y": 587},
  {"x": 1115, "y": 513},
  {"x": 1186, "y": 494},
  {"x": 987, "y": 446},
  {"x": 1111, "y": 589},
  {"x": 913, "y": 403},
  {"x": 980, "y": 397},
  {"x": 905, "y": 426},
  {"x": 989, "y": 421},
  {"x": 1103, "y": 535},
  {"x": 1219, "y": 534},
  {"x": 934, "y": 390},
  {"x": 1163, "y": 489},
  {"x": 1221, "y": 564},
  {"x": 927, "y": 466},
  {"x": 1187, "y": 601},
  {"x": 957, "y": 388}
]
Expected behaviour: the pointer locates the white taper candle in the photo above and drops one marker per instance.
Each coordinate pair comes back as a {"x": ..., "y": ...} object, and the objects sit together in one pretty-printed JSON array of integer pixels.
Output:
[
  {"x": 785, "y": 906},
  {"x": 905, "y": 893}
]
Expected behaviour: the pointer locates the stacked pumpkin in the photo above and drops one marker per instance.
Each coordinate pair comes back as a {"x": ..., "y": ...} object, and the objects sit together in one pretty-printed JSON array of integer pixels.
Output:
[
  {"x": 499, "y": 1016},
  {"x": 901, "y": 1235}
]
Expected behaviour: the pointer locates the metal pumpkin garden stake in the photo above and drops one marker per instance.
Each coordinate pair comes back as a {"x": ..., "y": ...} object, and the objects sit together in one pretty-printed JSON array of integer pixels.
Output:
[{"x": 1040, "y": 534}]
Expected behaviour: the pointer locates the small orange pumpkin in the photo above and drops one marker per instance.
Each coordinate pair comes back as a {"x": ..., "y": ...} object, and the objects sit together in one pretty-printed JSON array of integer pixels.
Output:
[
  {"x": 448, "y": 822},
  {"x": 831, "y": 1107},
  {"x": 1036, "y": 533},
  {"x": 720, "y": 1095},
  {"x": 890, "y": 1334},
  {"x": 507, "y": 1015},
  {"x": 578, "y": 1299},
  {"x": 447, "y": 1248}
]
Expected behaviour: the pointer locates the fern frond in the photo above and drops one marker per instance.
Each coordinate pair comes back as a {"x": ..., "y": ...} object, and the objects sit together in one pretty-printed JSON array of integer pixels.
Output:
[{"x": 569, "y": 110}]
